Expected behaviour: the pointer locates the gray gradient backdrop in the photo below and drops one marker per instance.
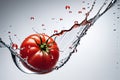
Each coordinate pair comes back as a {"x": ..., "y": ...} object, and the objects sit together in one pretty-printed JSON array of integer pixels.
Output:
[{"x": 98, "y": 56}]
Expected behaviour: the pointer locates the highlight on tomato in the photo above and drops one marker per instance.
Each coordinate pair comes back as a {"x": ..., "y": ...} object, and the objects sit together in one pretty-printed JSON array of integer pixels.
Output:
[{"x": 41, "y": 53}]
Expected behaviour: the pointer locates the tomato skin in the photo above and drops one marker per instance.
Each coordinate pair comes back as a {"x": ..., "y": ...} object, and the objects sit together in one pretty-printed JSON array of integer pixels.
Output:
[{"x": 39, "y": 53}]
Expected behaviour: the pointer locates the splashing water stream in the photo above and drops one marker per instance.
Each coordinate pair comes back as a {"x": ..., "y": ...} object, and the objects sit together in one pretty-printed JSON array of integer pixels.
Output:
[{"x": 76, "y": 32}]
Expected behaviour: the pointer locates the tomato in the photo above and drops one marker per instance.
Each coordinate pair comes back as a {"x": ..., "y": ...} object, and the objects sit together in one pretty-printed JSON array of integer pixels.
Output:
[{"x": 41, "y": 53}]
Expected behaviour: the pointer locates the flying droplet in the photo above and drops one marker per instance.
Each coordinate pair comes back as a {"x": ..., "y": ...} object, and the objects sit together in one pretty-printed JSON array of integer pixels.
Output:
[
  {"x": 114, "y": 29},
  {"x": 88, "y": 7},
  {"x": 114, "y": 13},
  {"x": 67, "y": 7},
  {"x": 43, "y": 24},
  {"x": 61, "y": 19},
  {"x": 83, "y": 1},
  {"x": 118, "y": 17},
  {"x": 75, "y": 22},
  {"x": 118, "y": 8},
  {"x": 52, "y": 18},
  {"x": 117, "y": 62},
  {"x": 10, "y": 25},
  {"x": 70, "y": 47},
  {"x": 14, "y": 46},
  {"x": 70, "y": 11},
  {"x": 9, "y": 32},
  {"x": 118, "y": 5},
  {"x": 15, "y": 35},
  {"x": 83, "y": 8},
  {"x": 32, "y": 18},
  {"x": 55, "y": 31},
  {"x": 79, "y": 12}
]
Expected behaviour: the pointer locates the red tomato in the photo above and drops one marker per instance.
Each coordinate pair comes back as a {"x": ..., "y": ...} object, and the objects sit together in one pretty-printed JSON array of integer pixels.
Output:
[{"x": 41, "y": 53}]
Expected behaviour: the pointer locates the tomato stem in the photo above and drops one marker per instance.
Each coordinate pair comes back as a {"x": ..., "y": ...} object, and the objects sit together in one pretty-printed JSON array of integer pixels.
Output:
[{"x": 44, "y": 47}]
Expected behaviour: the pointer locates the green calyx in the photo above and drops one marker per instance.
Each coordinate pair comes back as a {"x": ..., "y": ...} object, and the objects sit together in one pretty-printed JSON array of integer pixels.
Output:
[{"x": 44, "y": 47}]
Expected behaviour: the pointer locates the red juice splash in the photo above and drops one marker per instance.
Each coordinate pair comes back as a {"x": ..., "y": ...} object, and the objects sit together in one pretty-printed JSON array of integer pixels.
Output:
[
  {"x": 76, "y": 32},
  {"x": 67, "y": 7},
  {"x": 14, "y": 46}
]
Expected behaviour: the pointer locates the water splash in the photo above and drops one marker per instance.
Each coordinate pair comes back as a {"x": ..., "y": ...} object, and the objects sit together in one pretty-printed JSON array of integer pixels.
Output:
[
  {"x": 67, "y": 48},
  {"x": 76, "y": 32}
]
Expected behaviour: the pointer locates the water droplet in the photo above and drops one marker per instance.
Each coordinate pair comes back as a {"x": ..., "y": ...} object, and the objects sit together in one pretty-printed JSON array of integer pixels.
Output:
[
  {"x": 84, "y": 8},
  {"x": 61, "y": 19},
  {"x": 52, "y": 18},
  {"x": 32, "y": 18},
  {"x": 44, "y": 29},
  {"x": 70, "y": 47},
  {"x": 14, "y": 46},
  {"x": 88, "y": 7},
  {"x": 118, "y": 17},
  {"x": 15, "y": 35},
  {"x": 43, "y": 24},
  {"x": 83, "y": 1},
  {"x": 55, "y": 31},
  {"x": 10, "y": 26},
  {"x": 117, "y": 62},
  {"x": 114, "y": 13},
  {"x": 118, "y": 5},
  {"x": 75, "y": 22},
  {"x": 29, "y": 46},
  {"x": 113, "y": 24},
  {"x": 9, "y": 32},
  {"x": 67, "y": 7},
  {"x": 79, "y": 12},
  {"x": 70, "y": 11},
  {"x": 118, "y": 8},
  {"x": 114, "y": 29}
]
